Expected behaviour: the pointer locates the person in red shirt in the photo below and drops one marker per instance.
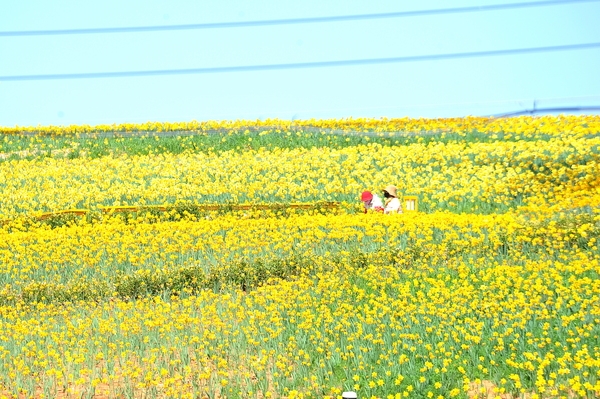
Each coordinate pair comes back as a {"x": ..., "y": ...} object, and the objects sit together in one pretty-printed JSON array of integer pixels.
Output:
[{"x": 371, "y": 201}]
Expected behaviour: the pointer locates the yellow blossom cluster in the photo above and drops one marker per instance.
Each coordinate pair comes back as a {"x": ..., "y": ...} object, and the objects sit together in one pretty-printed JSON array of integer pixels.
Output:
[{"x": 522, "y": 126}]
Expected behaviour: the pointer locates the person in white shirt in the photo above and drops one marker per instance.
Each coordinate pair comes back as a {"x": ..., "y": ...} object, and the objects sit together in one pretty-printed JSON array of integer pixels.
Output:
[
  {"x": 371, "y": 201},
  {"x": 392, "y": 203}
]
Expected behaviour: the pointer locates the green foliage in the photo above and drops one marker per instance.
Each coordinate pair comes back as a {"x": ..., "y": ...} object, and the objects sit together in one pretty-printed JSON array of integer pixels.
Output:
[
  {"x": 248, "y": 273},
  {"x": 31, "y": 146},
  {"x": 60, "y": 220},
  {"x": 240, "y": 274}
]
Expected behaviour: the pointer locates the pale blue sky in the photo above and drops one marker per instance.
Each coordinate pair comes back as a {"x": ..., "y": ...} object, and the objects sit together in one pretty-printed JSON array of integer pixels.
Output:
[{"x": 472, "y": 86}]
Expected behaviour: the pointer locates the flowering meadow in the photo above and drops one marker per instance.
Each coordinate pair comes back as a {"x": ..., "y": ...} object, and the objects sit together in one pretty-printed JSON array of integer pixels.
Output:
[{"x": 490, "y": 290}]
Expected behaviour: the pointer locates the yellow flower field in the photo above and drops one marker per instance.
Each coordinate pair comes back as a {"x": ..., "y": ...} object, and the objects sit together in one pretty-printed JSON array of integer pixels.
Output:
[
  {"x": 522, "y": 126},
  {"x": 491, "y": 290},
  {"x": 457, "y": 175}
]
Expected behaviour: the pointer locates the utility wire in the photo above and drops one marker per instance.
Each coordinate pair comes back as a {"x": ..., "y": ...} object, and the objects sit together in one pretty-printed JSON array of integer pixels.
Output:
[
  {"x": 479, "y": 104},
  {"x": 292, "y": 21},
  {"x": 549, "y": 110},
  {"x": 299, "y": 65}
]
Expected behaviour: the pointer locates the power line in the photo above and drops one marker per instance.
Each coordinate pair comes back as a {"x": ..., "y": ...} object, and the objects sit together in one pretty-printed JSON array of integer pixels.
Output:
[
  {"x": 292, "y": 21},
  {"x": 299, "y": 65},
  {"x": 549, "y": 110},
  {"x": 480, "y": 104}
]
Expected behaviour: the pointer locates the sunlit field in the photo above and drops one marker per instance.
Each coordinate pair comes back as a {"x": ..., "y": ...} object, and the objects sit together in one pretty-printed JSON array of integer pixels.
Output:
[{"x": 490, "y": 290}]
